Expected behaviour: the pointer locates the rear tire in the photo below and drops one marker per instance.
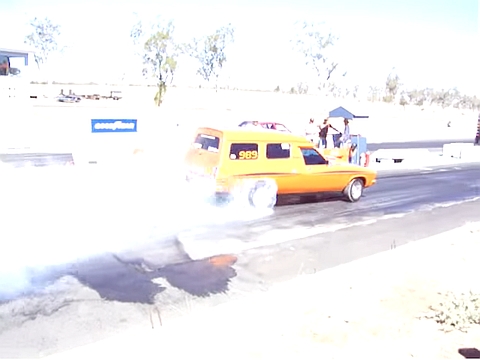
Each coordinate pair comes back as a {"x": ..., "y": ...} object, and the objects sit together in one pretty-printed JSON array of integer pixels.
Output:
[
  {"x": 263, "y": 195},
  {"x": 354, "y": 190}
]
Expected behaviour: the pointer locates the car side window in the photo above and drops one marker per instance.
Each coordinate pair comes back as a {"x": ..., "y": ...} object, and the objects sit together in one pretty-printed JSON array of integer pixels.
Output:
[
  {"x": 312, "y": 157},
  {"x": 278, "y": 151},
  {"x": 244, "y": 151}
]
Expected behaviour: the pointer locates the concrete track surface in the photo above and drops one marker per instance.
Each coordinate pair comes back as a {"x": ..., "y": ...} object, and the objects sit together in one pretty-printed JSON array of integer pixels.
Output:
[{"x": 83, "y": 302}]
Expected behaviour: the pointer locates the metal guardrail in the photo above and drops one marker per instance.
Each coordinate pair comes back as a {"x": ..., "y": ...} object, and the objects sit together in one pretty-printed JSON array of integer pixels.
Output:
[{"x": 37, "y": 159}]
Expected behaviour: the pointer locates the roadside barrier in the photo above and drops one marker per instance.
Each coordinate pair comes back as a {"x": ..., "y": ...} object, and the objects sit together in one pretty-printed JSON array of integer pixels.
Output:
[
  {"x": 471, "y": 153},
  {"x": 399, "y": 155},
  {"x": 455, "y": 150}
]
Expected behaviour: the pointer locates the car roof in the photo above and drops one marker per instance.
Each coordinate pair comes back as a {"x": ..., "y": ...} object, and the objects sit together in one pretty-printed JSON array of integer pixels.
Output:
[{"x": 260, "y": 133}]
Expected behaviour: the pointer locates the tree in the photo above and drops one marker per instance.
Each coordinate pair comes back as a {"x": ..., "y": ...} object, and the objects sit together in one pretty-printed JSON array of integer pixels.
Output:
[
  {"x": 302, "y": 88},
  {"x": 43, "y": 38},
  {"x": 416, "y": 97},
  {"x": 374, "y": 92},
  {"x": 209, "y": 51},
  {"x": 355, "y": 91},
  {"x": 446, "y": 98},
  {"x": 314, "y": 44},
  {"x": 159, "y": 53},
  {"x": 392, "y": 85},
  {"x": 403, "y": 101}
]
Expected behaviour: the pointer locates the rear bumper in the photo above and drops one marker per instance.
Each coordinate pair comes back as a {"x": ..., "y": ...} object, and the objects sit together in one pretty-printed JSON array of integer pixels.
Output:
[{"x": 200, "y": 182}]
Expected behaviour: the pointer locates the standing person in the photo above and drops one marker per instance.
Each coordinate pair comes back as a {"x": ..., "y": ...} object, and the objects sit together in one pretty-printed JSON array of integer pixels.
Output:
[
  {"x": 322, "y": 144},
  {"x": 311, "y": 131},
  {"x": 345, "y": 138},
  {"x": 326, "y": 137}
]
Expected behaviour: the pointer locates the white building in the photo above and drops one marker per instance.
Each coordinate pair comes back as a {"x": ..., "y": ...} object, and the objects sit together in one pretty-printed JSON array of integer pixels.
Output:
[{"x": 14, "y": 73}]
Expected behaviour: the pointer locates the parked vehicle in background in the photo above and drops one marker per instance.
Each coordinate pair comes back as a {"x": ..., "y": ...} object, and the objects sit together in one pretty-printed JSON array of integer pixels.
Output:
[
  {"x": 69, "y": 98},
  {"x": 114, "y": 95},
  {"x": 266, "y": 125}
]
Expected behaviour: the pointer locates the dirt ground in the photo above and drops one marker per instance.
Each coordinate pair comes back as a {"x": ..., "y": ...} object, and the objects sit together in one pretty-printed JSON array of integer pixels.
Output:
[{"x": 372, "y": 308}]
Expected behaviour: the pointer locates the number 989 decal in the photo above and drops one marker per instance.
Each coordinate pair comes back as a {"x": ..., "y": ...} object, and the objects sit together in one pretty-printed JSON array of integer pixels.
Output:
[{"x": 247, "y": 155}]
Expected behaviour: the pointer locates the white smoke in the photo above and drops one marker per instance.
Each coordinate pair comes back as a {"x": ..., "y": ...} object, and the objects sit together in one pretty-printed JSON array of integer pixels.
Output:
[{"x": 58, "y": 215}]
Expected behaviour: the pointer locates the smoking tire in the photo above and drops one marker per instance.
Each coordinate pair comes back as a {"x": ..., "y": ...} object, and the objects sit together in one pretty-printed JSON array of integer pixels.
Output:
[
  {"x": 263, "y": 194},
  {"x": 354, "y": 190}
]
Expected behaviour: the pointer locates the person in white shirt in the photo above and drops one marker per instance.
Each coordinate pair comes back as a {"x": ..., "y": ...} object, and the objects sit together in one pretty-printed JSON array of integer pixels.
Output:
[{"x": 311, "y": 131}]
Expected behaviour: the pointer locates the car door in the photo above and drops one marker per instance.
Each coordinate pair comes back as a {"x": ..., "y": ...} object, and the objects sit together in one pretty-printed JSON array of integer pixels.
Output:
[
  {"x": 282, "y": 165},
  {"x": 318, "y": 176}
]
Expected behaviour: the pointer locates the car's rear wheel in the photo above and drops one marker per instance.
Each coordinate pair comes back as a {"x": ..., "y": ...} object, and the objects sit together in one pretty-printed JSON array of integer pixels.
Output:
[
  {"x": 263, "y": 195},
  {"x": 354, "y": 190}
]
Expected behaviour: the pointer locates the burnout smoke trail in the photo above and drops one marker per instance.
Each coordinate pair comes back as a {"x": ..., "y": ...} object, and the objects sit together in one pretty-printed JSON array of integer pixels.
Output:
[{"x": 53, "y": 216}]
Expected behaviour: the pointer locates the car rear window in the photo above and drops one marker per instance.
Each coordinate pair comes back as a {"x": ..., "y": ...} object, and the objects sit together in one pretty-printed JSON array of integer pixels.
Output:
[
  {"x": 207, "y": 142},
  {"x": 244, "y": 151},
  {"x": 278, "y": 151}
]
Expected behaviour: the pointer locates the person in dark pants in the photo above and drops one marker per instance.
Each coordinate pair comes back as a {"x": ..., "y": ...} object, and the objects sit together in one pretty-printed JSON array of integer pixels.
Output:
[{"x": 323, "y": 134}]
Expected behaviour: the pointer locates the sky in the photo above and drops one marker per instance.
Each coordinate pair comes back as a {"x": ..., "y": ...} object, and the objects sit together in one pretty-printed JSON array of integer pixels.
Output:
[{"x": 427, "y": 43}]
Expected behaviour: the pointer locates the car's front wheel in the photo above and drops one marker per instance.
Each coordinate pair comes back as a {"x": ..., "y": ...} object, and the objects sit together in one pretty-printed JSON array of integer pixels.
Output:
[{"x": 354, "y": 190}]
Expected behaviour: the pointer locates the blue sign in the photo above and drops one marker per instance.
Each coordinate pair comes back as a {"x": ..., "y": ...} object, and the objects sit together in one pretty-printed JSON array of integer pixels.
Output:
[{"x": 114, "y": 125}]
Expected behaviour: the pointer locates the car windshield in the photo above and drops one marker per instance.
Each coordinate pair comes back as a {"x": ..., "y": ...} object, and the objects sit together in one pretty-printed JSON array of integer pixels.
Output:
[{"x": 312, "y": 157}]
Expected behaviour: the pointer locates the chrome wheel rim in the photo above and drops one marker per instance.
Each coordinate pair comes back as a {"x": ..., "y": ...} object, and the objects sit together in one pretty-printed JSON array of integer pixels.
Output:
[{"x": 356, "y": 190}]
